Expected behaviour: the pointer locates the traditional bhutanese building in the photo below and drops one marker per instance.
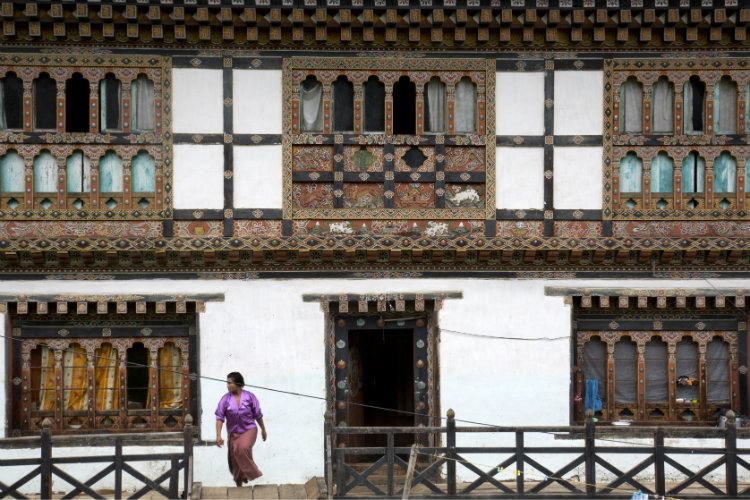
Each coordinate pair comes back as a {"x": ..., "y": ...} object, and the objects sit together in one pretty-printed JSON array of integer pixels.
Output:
[{"x": 484, "y": 205}]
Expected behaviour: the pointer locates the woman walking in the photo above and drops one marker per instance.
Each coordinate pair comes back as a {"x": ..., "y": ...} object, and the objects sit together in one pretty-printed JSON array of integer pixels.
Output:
[{"x": 241, "y": 411}]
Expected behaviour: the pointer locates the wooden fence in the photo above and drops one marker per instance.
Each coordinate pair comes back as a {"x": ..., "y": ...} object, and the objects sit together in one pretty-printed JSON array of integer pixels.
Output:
[
  {"x": 580, "y": 470},
  {"x": 47, "y": 466}
]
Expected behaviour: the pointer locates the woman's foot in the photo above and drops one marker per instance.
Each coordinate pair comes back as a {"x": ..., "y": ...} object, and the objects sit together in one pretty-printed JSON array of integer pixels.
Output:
[{"x": 238, "y": 483}]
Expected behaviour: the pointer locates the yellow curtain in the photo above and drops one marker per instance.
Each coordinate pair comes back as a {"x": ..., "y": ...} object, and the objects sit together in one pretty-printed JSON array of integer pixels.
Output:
[
  {"x": 107, "y": 381},
  {"x": 74, "y": 378},
  {"x": 170, "y": 376},
  {"x": 47, "y": 380}
]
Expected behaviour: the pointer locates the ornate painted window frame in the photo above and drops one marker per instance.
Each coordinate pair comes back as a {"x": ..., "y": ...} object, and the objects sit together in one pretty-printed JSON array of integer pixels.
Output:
[
  {"x": 388, "y": 71},
  {"x": 95, "y": 143},
  {"x": 677, "y": 145}
]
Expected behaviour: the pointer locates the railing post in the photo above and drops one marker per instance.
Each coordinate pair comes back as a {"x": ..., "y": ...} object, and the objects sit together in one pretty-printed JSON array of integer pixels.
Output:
[
  {"x": 590, "y": 451},
  {"x": 46, "y": 465},
  {"x": 520, "y": 460},
  {"x": 390, "y": 454},
  {"x": 340, "y": 474},
  {"x": 659, "y": 479},
  {"x": 327, "y": 432},
  {"x": 187, "y": 435},
  {"x": 731, "y": 442},
  {"x": 450, "y": 442},
  {"x": 118, "y": 468}
]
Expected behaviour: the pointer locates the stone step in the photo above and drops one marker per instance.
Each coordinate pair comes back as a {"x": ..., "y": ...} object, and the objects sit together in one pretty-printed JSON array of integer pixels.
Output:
[{"x": 313, "y": 489}]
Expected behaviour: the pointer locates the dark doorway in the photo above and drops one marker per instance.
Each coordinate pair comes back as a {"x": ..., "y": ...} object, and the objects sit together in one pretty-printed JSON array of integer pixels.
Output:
[{"x": 382, "y": 376}]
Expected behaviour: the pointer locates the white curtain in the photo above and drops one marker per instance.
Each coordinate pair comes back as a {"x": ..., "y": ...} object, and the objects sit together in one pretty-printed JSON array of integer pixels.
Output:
[
  {"x": 687, "y": 105},
  {"x": 45, "y": 173},
  {"x": 663, "y": 106},
  {"x": 726, "y": 110},
  {"x": 725, "y": 173},
  {"x": 466, "y": 107},
  {"x": 311, "y": 94},
  {"x": 142, "y": 95},
  {"x": 79, "y": 173},
  {"x": 632, "y": 95},
  {"x": 110, "y": 174},
  {"x": 693, "y": 174},
  {"x": 435, "y": 106},
  {"x": 12, "y": 172}
]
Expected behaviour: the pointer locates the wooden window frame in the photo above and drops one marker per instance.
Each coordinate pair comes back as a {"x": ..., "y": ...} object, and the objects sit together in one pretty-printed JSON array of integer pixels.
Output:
[
  {"x": 677, "y": 145},
  {"x": 122, "y": 330},
  {"x": 334, "y": 176},
  {"x": 95, "y": 142}
]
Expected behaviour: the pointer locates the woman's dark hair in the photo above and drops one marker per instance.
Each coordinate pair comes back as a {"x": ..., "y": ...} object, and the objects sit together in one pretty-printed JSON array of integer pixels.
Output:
[{"x": 237, "y": 379}]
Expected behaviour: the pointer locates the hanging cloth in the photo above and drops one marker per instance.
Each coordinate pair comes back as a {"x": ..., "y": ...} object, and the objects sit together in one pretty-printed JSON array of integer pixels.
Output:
[{"x": 592, "y": 400}]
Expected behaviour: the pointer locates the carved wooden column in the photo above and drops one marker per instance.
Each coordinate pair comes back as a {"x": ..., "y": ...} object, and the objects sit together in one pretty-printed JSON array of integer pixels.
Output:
[
  {"x": 122, "y": 386},
  {"x": 481, "y": 82},
  {"x": 679, "y": 104},
  {"x": 358, "y": 80},
  {"x": 672, "y": 375},
  {"x": 708, "y": 126},
  {"x": 389, "y": 78},
  {"x": 60, "y": 153},
  {"x": 153, "y": 387},
  {"x": 90, "y": 346},
  {"x": 96, "y": 154},
  {"x": 646, "y": 186},
  {"x": 420, "y": 79},
  {"x": 296, "y": 103},
  {"x": 740, "y": 182},
  {"x": 679, "y": 154},
  {"x": 28, "y": 119},
  {"x": 95, "y": 77},
  {"x": 127, "y": 178},
  {"x": 60, "y": 106},
  {"x": 610, "y": 340},
  {"x": 647, "y": 109},
  {"x": 59, "y": 394},
  {"x": 641, "y": 374},
  {"x": 450, "y": 98},
  {"x": 127, "y": 105},
  {"x": 327, "y": 79},
  {"x": 703, "y": 387},
  {"x": 159, "y": 181},
  {"x": 708, "y": 185},
  {"x": 616, "y": 183}
]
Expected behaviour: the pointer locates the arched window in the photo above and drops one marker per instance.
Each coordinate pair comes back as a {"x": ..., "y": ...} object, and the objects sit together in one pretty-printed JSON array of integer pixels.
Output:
[
  {"x": 78, "y": 173},
  {"x": 170, "y": 376},
  {"x": 110, "y": 100},
  {"x": 77, "y": 104},
  {"x": 695, "y": 100},
  {"x": 12, "y": 172},
  {"x": 11, "y": 102},
  {"x": 725, "y": 106},
  {"x": 435, "y": 106},
  {"x": 404, "y": 106},
  {"x": 374, "y": 105},
  {"x": 661, "y": 173},
  {"x": 656, "y": 371},
  {"x": 631, "y": 168},
  {"x": 595, "y": 364},
  {"x": 663, "y": 106},
  {"x": 631, "y": 97},
  {"x": 693, "y": 173},
  {"x": 138, "y": 359},
  {"x": 110, "y": 173},
  {"x": 311, "y": 95},
  {"x": 144, "y": 172},
  {"x": 45, "y": 173},
  {"x": 686, "y": 356},
  {"x": 107, "y": 377},
  {"x": 75, "y": 380},
  {"x": 626, "y": 383},
  {"x": 466, "y": 106},
  {"x": 717, "y": 366},
  {"x": 725, "y": 173},
  {"x": 45, "y": 102},
  {"x": 142, "y": 97},
  {"x": 343, "y": 105}
]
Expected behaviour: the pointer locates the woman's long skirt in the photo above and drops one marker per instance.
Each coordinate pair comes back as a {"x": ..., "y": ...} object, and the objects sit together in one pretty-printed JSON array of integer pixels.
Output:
[{"x": 240, "y": 455}]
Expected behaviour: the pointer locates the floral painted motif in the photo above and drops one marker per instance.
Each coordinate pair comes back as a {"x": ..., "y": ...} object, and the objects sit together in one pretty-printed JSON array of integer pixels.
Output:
[
  {"x": 361, "y": 159},
  {"x": 464, "y": 159},
  {"x": 313, "y": 158},
  {"x": 364, "y": 195},
  {"x": 313, "y": 195},
  {"x": 80, "y": 229}
]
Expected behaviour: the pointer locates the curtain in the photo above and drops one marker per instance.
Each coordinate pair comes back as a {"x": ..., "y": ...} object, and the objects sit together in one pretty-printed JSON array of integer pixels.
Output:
[
  {"x": 632, "y": 99},
  {"x": 170, "y": 376},
  {"x": 725, "y": 103},
  {"x": 106, "y": 378},
  {"x": 78, "y": 172},
  {"x": 435, "y": 106},
  {"x": 693, "y": 174},
  {"x": 45, "y": 103},
  {"x": 626, "y": 387},
  {"x": 45, "y": 173},
  {"x": 74, "y": 378},
  {"x": 110, "y": 98},
  {"x": 47, "y": 380},
  {"x": 656, "y": 371},
  {"x": 142, "y": 95},
  {"x": 693, "y": 104},
  {"x": 725, "y": 172},
  {"x": 595, "y": 364},
  {"x": 663, "y": 105},
  {"x": 630, "y": 174},
  {"x": 466, "y": 107},
  {"x": 311, "y": 94},
  {"x": 686, "y": 357},
  {"x": 661, "y": 174},
  {"x": 12, "y": 172},
  {"x": 717, "y": 366},
  {"x": 374, "y": 105},
  {"x": 110, "y": 174},
  {"x": 144, "y": 173}
]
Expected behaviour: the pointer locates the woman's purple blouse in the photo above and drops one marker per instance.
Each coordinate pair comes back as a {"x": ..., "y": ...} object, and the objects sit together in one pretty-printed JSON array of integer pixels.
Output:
[{"x": 239, "y": 419}]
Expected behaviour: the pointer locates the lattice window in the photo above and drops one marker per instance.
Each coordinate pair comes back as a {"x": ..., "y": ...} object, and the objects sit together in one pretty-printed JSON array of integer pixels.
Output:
[
  {"x": 108, "y": 371},
  {"x": 388, "y": 138},
  {"x": 92, "y": 136},
  {"x": 675, "y": 139}
]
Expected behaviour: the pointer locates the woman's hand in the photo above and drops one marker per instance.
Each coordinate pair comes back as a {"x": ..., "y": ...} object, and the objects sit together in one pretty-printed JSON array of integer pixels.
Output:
[
  {"x": 263, "y": 434},
  {"x": 220, "y": 441}
]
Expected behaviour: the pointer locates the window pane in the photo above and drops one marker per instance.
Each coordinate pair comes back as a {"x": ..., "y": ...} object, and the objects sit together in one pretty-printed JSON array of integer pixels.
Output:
[
  {"x": 45, "y": 102},
  {"x": 110, "y": 174},
  {"x": 138, "y": 376},
  {"x": 631, "y": 169},
  {"x": 695, "y": 95},
  {"x": 110, "y": 97},
  {"x": 143, "y": 173},
  {"x": 632, "y": 99},
  {"x": 725, "y": 97},
  {"x": 404, "y": 104},
  {"x": 693, "y": 173},
  {"x": 725, "y": 172},
  {"x": 686, "y": 356},
  {"x": 343, "y": 105},
  {"x": 45, "y": 173},
  {"x": 74, "y": 378},
  {"x": 77, "y": 104},
  {"x": 656, "y": 371},
  {"x": 466, "y": 107},
  {"x": 626, "y": 387},
  {"x": 12, "y": 172},
  {"x": 717, "y": 367},
  {"x": 663, "y": 117},
  {"x": 661, "y": 174},
  {"x": 12, "y": 104},
  {"x": 170, "y": 376},
  {"x": 107, "y": 378},
  {"x": 142, "y": 95},
  {"x": 435, "y": 103},
  {"x": 311, "y": 95},
  {"x": 374, "y": 105},
  {"x": 78, "y": 173},
  {"x": 595, "y": 364}
]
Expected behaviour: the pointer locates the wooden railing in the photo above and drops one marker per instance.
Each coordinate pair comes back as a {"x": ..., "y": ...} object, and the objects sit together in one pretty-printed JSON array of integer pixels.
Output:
[
  {"x": 47, "y": 466},
  {"x": 642, "y": 448}
]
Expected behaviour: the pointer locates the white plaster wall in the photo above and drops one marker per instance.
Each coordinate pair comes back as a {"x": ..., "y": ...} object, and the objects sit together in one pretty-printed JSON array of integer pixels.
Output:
[
  {"x": 520, "y": 178},
  {"x": 578, "y": 178},
  {"x": 257, "y": 176},
  {"x": 264, "y": 330},
  {"x": 519, "y": 103},
  {"x": 197, "y": 101},
  {"x": 198, "y": 176},
  {"x": 578, "y": 102},
  {"x": 257, "y": 101},
  {"x": 3, "y": 377}
]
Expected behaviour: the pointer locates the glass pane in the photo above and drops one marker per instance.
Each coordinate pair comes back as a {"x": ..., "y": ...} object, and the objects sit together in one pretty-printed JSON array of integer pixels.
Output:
[
  {"x": 45, "y": 173},
  {"x": 595, "y": 364},
  {"x": 631, "y": 169},
  {"x": 78, "y": 173},
  {"x": 77, "y": 104},
  {"x": 138, "y": 359},
  {"x": 13, "y": 101},
  {"x": 656, "y": 371},
  {"x": 311, "y": 95},
  {"x": 466, "y": 107},
  {"x": 435, "y": 105},
  {"x": 374, "y": 105},
  {"x": 110, "y": 173},
  {"x": 12, "y": 172},
  {"x": 144, "y": 173},
  {"x": 663, "y": 116},
  {"x": 74, "y": 378},
  {"x": 45, "y": 102},
  {"x": 632, "y": 104},
  {"x": 725, "y": 104},
  {"x": 693, "y": 173},
  {"x": 404, "y": 106},
  {"x": 725, "y": 172},
  {"x": 626, "y": 387},
  {"x": 661, "y": 174},
  {"x": 343, "y": 105},
  {"x": 686, "y": 356},
  {"x": 717, "y": 367}
]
